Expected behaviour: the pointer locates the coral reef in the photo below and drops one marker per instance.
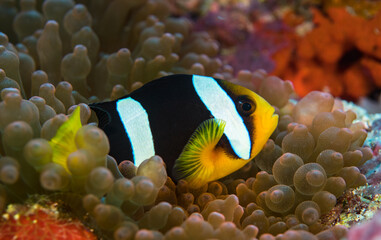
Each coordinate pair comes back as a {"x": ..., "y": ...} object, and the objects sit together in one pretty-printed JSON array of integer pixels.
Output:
[
  {"x": 248, "y": 32},
  {"x": 363, "y": 8},
  {"x": 355, "y": 206},
  {"x": 339, "y": 55},
  {"x": 331, "y": 48},
  {"x": 368, "y": 230},
  {"x": 70, "y": 55},
  {"x": 41, "y": 222}
]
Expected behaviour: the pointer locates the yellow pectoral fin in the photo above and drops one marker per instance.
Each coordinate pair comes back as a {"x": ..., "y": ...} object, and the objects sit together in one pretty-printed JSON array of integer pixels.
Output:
[
  {"x": 196, "y": 163},
  {"x": 63, "y": 142}
]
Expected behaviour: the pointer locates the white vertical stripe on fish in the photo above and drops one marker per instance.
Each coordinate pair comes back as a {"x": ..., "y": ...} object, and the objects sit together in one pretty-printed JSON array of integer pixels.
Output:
[
  {"x": 135, "y": 121},
  {"x": 222, "y": 107}
]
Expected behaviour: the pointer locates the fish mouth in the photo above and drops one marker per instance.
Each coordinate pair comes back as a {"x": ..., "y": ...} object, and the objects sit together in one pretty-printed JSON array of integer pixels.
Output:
[
  {"x": 272, "y": 115},
  {"x": 266, "y": 125},
  {"x": 271, "y": 122},
  {"x": 269, "y": 119}
]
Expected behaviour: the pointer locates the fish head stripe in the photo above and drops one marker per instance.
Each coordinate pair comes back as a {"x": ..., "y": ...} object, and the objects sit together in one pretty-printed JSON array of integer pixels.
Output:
[
  {"x": 221, "y": 106},
  {"x": 136, "y": 124},
  {"x": 258, "y": 115}
]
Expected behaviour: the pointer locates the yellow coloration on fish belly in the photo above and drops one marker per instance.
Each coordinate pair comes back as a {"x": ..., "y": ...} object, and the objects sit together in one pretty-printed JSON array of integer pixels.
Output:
[{"x": 220, "y": 162}]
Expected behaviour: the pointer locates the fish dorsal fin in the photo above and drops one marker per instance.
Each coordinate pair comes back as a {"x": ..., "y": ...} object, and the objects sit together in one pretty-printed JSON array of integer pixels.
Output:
[
  {"x": 103, "y": 116},
  {"x": 196, "y": 162}
]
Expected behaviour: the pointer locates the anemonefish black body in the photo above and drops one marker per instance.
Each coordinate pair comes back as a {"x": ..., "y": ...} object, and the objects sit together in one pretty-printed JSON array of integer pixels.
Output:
[{"x": 204, "y": 128}]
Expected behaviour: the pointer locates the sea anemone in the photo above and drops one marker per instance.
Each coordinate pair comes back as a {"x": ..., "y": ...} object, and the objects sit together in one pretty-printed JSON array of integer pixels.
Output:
[{"x": 76, "y": 54}]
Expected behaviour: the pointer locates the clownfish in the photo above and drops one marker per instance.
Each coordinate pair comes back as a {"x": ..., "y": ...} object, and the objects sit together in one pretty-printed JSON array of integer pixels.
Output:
[{"x": 204, "y": 128}]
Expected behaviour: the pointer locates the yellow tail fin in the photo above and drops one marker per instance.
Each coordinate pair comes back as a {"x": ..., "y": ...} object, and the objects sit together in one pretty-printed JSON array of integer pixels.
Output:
[{"x": 63, "y": 142}]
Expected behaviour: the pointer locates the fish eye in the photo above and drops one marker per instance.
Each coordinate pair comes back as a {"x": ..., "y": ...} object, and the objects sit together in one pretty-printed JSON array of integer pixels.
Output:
[{"x": 245, "y": 106}]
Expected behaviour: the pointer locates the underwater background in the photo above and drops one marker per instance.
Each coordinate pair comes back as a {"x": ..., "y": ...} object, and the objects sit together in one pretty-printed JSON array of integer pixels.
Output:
[{"x": 318, "y": 62}]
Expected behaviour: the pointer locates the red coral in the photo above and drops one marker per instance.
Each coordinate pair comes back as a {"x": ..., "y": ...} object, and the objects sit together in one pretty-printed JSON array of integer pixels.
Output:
[{"x": 41, "y": 224}]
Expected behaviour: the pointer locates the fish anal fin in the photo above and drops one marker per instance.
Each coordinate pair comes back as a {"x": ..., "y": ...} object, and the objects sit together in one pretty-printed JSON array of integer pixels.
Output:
[{"x": 197, "y": 161}]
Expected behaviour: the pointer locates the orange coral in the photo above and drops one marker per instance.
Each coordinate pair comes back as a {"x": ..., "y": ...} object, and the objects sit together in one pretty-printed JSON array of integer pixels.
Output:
[
  {"x": 366, "y": 8},
  {"x": 341, "y": 55}
]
